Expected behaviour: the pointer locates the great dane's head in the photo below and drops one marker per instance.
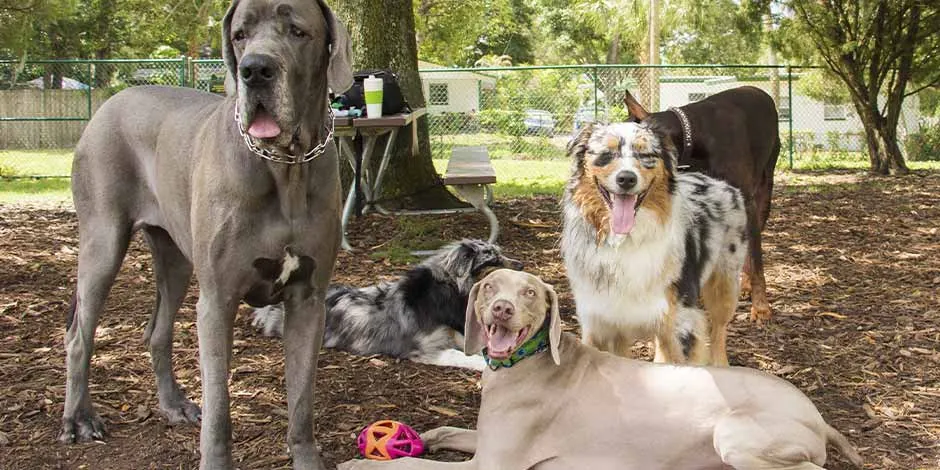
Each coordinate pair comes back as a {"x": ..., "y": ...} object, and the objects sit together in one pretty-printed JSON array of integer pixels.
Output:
[{"x": 283, "y": 54}]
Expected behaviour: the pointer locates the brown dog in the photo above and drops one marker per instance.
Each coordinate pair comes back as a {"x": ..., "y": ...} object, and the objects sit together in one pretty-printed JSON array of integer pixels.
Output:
[
  {"x": 732, "y": 136},
  {"x": 564, "y": 405}
]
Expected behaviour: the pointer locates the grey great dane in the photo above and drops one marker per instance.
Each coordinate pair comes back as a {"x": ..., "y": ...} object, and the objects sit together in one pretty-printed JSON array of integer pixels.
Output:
[{"x": 242, "y": 190}]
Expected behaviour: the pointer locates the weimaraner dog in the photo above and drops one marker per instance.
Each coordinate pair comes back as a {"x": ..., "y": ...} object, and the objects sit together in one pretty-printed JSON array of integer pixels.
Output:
[
  {"x": 574, "y": 407},
  {"x": 243, "y": 190}
]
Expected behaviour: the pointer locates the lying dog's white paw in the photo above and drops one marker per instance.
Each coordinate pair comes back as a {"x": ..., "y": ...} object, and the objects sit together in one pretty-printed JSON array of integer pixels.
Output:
[
  {"x": 350, "y": 464},
  {"x": 453, "y": 358},
  {"x": 270, "y": 320}
]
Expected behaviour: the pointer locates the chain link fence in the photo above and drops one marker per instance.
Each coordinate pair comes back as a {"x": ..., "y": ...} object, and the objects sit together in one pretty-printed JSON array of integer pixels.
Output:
[{"x": 516, "y": 112}]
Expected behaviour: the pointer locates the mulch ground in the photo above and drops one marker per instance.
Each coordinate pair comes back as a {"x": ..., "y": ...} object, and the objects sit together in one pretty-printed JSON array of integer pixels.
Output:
[{"x": 854, "y": 273}]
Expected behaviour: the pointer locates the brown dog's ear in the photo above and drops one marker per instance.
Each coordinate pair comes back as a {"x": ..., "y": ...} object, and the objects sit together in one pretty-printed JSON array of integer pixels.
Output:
[
  {"x": 554, "y": 324},
  {"x": 636, "y": 111},
  {"x": 228, "y": 52},
  {"x": 473, "y": 338},
  {"x": 339, "y": 75}
]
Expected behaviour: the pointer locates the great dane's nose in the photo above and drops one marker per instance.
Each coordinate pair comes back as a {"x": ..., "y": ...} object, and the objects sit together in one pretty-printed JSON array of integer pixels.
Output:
[
  {"x": 257, "y": 70},
  {"x": 626, "y": 179},
  {"x": 503, "y": 310}
]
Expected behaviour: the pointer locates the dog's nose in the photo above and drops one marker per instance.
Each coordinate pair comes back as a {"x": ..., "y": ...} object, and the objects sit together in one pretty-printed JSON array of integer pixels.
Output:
[
  {"x": 626, "y": 179},
  {"x": 257, "y": 69},
  {"x": 503, "y": 310}
]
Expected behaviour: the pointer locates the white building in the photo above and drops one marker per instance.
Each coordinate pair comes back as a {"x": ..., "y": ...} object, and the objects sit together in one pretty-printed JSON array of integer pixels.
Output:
[
  {"x": 812, "y": 120},
  {"x": 448, "y": 91}
]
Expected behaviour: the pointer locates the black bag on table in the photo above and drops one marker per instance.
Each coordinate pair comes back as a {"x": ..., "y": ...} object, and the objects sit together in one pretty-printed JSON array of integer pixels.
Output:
[{"x": 393, "y": 102}]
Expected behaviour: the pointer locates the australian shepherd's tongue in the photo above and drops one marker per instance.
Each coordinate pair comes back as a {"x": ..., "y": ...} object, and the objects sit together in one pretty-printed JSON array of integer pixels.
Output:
[
  {"x": 263, "y": 125},
  {"x": 623, "y": 213}
]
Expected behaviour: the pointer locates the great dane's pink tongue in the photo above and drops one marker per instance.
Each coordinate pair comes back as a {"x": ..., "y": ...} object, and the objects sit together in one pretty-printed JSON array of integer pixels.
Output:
[
  {"x": 623, "y": 213},
  {"x": 500, "y": 342},
  {"x": 263, "y": 126}
]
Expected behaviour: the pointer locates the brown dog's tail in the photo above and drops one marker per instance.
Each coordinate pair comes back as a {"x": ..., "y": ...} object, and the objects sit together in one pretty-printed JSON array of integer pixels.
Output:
[{"x": 845, "y": 447}]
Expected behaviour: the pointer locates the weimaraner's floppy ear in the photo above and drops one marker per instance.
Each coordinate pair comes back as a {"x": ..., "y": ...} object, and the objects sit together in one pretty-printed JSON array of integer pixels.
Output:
[
  {"x": 228, "y": 52},
  {"x": 339, "y": 72},
  {"x": 554, "y": 326},
  {"x": 473, "y": 338}
]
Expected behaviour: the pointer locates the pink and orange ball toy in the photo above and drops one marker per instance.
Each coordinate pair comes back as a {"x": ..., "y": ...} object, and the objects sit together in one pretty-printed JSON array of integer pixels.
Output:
[{"x": 387, "y": 440}]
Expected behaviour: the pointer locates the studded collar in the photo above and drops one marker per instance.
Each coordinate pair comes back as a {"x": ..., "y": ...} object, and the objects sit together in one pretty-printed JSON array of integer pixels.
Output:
[{"x": 686, "y": 133}]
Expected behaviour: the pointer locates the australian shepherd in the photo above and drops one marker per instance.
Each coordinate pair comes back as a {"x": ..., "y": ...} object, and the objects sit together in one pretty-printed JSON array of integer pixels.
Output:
[
  {"x": 646, "y": 248},
  {"x": 418, "y": 317}
]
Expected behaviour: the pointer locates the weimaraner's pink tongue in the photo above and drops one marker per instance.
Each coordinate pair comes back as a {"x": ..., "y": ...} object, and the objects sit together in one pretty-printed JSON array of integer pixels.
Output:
[
  {"x": 263, "y": 126},
  {"x": 500, "y": 343},
  {"x": 623, "y": 213}
]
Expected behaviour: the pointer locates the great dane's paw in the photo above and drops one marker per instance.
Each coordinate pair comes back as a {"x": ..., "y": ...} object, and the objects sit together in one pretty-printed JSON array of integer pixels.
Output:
[
  {"x": 182, "y": 411},
  {"x": 270, "y": 320},
  {"x": 90, "y": 428}
]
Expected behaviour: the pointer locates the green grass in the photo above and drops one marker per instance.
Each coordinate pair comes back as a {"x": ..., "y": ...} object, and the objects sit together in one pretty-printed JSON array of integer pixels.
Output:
[
  {"x": 526, "y": 178},
  {"x": 516, "y": 178},
  {"x": 56, "y": 162}
]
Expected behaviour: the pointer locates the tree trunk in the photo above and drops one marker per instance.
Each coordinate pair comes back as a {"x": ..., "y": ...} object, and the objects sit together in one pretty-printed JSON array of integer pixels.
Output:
[
  {"x": 884, "y": 153},
  {"x": 383, "y": 37}
]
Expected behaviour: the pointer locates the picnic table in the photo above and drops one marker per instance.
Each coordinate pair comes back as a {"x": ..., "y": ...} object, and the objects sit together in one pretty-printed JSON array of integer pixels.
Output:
[{"x": 345, "y": 130}]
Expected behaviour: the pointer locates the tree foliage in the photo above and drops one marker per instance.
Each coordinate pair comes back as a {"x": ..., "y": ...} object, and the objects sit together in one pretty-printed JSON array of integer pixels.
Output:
[
  {"x": 461, "y": 32},
  {"x": 882, "y": 51}
]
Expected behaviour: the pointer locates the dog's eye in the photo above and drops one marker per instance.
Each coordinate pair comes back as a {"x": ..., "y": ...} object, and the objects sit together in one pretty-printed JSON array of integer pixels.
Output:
[
  {"x": 487, "y": 286},
  {"x": 297, "y": 32},
  {"x": 530, "y": 292},
  {"x": 239, "y": 36}
]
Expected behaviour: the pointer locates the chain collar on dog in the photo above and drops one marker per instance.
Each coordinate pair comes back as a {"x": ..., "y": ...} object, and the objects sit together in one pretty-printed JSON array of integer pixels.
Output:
[
  {"x": 531, "y": 347},
  {"x": 280, "y": 157},
  {"x": 686, "y": 133}
]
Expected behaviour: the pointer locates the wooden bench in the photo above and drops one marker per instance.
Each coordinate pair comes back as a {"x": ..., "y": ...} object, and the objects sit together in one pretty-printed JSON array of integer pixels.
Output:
[{"x": 471, "y": 174}]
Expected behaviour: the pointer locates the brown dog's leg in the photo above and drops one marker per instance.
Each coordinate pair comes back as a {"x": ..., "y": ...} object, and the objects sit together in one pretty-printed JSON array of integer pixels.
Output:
[
  {"x": 754, "y": 267},
  {"x": 720, "y": 297}
]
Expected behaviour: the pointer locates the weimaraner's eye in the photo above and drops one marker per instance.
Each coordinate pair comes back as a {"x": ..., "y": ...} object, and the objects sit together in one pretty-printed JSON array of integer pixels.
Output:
[
  {"x": 530, "y": 293},
  {"x": 487, "y": 286}
]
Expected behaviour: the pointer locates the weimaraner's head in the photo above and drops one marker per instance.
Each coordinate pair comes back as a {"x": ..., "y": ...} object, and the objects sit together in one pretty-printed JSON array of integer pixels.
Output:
[
  {"x": 505, "y": 309},
  {"x": 283, "y": 54}
]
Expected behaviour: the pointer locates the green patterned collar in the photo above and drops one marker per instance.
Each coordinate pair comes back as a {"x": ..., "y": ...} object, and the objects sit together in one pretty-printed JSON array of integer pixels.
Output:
[{"x": 533, "y": 346}]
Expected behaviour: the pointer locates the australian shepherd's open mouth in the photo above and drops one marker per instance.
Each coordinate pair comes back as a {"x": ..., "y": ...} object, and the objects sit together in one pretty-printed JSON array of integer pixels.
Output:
[
  {"x": 501, "y": 341},
  {"x": 622, "y": 207}
]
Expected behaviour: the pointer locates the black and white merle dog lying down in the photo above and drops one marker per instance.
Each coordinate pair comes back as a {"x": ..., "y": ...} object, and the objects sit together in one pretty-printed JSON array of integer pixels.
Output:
[{"x": 418, "y": 317}]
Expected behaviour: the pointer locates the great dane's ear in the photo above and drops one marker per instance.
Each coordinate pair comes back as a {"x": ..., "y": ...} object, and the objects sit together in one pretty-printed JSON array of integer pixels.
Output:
[
  {"x": 473, "y": 338},
  {"x": 554, "y": 324},
  {"x": 636, "y": 111},
  {"x": 228, "y": 52},
  {"x": 339, "y": 75}
]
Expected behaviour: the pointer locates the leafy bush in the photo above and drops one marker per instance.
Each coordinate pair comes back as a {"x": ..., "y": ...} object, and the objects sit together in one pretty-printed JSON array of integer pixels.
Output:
[
  {"x": 924, "y": 145},
  {"x": 503, "y": 121}
]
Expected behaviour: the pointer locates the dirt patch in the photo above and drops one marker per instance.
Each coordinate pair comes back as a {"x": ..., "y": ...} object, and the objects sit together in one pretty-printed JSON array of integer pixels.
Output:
[{"x": 854, "y": 273}]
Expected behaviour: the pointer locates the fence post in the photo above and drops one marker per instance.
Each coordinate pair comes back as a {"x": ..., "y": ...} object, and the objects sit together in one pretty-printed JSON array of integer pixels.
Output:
[
  {"x": 595, "y": 92},
  {"x": 91, "y": 81},
  {"x": 184, "y": 60},
  {"x": 790, "y": 105}
]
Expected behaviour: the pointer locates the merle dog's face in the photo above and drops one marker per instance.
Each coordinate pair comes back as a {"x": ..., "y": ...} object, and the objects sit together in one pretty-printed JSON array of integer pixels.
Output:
[{"x": 482, "y": 258}]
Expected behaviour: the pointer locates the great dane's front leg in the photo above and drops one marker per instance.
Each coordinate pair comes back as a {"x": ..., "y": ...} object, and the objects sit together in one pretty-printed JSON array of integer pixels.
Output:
[
  {"x": 305, "y": 320},
  {"x": 214, "y": 323}
]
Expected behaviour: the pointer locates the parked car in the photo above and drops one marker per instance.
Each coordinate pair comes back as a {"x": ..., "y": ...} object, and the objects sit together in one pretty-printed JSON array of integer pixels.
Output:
[{"x": 538, "y": 121}]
